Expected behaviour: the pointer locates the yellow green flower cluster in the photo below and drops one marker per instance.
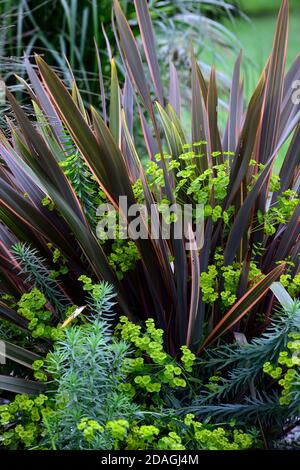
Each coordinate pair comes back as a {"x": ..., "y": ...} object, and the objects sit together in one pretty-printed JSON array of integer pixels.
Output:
[
  {"x": 151, "y": 368},
  {"x": 89, "y": 427},
  {"x": 291, "y": 283},
  {"x": 170, "y": 435},
  {"x": 229, "y": 276},
  {"x": 32, "y": 306},
  {"x": 280, "y": 213},
  {"x": 288, "y": 370},
  {"x": 218, "y": 438},
  {"x": 20, "y": 420},
  {"x": 60, "y": 259},
  {"x": 188, "y": 358},
  {"x": 123, "y": 257},
  {"x": 37, "y": 372},
  {"x": 131, "y": 436}
]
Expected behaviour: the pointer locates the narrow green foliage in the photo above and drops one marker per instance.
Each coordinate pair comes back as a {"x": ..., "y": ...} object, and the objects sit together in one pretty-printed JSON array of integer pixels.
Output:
[
  {"x": 100, "y": 299},
  {"x": 238, "y": 371},
  {"x": 38, "y": 275},
  {"x": 84, "y": 185}
]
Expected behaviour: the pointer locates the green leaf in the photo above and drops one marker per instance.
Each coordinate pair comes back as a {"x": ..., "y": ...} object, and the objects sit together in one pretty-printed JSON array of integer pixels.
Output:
[
  {"x": 115, "y": 105},
  {"x": 213, "y": 138},
  {"x": 173, "y": 137}
]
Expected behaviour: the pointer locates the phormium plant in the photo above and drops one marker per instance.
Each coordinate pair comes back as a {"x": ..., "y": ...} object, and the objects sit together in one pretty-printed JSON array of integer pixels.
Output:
[{"x": 60, "y": 165}]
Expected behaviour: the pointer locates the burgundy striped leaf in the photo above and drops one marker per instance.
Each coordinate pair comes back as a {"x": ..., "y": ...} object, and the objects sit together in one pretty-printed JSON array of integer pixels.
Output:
[
  {"x": 274, "y": 88},
  {"x": 230, "y": 138},
  {"x": 101, "y": 84},
  {"x": 146, "y": 30},
  {"x": 174, "y": 90},
  {"x": 173, "y": 137},
  {"x": 199, "y": 115},
  {"x": 43, "y": 161},
  {"x": 269, "y": 136},
  {"x": 151, "y": 144},
  {"x": 132, "y": 56},
  {"x": 291, "y": 164},
  {"x": 115, "y": 105},
  {"x": 246, "y": 143},
  {"x": 241, "y": 222},
  {"x": 213, "y": 137},
  {"x": 288, "y": 106},
  {"x": 195, "y": 289},
  {"x": 290, "y": 236},
  {"x": 44, "y": 101}
]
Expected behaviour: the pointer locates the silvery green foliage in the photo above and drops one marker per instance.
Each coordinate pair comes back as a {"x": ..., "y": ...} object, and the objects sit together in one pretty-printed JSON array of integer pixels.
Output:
[
  {"x": 239, "y": 385},
  {"x": 86, "y": 367},
  {"x": 101, "y": 301},
  {"x": 246, "y": 361},
  {"x": 39, "y": 275},
  {"x": 81, "y": 180}
]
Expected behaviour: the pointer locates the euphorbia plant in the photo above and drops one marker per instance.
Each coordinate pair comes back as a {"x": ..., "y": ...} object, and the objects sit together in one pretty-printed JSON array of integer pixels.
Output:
[{"x": 251, "y": 218}]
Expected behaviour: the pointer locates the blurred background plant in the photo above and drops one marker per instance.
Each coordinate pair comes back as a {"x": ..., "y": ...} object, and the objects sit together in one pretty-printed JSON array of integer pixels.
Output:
[
  {"x": 256, "y": 34},
  {"x": 63, "y": 31}
]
